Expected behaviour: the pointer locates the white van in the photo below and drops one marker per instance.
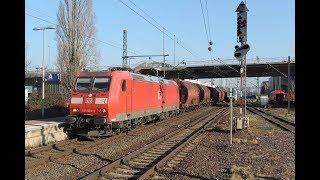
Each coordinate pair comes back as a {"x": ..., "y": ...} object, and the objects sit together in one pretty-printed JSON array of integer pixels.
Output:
[{"x": 264, "y": 100}]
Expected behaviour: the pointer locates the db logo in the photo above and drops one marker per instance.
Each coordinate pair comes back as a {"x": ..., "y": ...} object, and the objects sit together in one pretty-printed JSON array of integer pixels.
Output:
[{"x": 89, "y": 100}]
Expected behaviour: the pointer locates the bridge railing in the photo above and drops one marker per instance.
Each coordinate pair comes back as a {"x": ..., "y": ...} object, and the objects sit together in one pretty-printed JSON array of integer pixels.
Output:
[
  {"x": 217, "y": 61},
  {"x": 179, "y": 63}
]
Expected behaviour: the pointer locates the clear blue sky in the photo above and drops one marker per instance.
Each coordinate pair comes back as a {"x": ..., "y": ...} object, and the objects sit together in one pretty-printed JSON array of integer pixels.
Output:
[{"x": 271, "y": 28}]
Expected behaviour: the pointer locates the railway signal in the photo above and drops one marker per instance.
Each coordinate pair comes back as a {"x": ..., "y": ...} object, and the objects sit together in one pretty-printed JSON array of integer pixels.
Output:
[{"x": 240, "y": 53}]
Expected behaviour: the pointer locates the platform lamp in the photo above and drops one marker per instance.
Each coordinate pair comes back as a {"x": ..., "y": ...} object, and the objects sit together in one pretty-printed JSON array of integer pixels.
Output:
[{"x": 43, "y": 30}]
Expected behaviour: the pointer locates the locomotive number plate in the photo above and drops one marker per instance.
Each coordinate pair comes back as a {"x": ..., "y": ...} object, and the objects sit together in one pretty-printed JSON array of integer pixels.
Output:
[{"x": 89, "y": 100}]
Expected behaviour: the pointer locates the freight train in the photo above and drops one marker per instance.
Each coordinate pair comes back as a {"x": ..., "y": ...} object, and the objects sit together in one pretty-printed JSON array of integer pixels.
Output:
[{"x": 117, "y": 100}]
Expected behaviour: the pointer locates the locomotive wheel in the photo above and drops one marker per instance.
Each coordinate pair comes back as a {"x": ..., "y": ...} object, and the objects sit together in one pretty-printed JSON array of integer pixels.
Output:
[{"x": 80, "y": 123}]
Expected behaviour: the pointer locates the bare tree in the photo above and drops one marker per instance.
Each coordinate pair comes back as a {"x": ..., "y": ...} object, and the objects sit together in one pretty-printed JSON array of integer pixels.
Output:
[{"x": 76, "y": 39}]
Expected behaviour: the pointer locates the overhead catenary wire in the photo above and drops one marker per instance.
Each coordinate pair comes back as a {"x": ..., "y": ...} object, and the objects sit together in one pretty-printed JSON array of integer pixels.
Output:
[
  {"x": 210, "y": 53},
  {"x": 204, "y": 21},
  {"x": 98, "y": 40},
  {"x": 163, "y": 31},
  {"x": 162, "y": 28},
  {"x": 209, "y": 27},
  {"x": 151, "y": 24},
  {"x": 51, "y": 17},
  {"x": 209, "y": 36},
  {"x": 150, "y": 16},
  {"x": 205, "y": 25},
  {"x": 94, "y": 38},
  {"x": 158, "y": 28}
]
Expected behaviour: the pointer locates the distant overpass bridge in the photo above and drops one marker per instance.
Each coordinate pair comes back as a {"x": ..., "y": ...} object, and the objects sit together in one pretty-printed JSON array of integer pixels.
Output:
[{"x": 206, "y": 70}]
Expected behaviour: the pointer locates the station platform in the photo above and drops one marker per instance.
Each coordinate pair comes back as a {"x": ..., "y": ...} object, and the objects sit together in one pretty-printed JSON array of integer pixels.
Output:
[{"x": 44, "y": 131}]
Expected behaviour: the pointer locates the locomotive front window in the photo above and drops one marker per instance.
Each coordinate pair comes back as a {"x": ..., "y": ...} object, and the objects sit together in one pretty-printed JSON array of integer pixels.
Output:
[
  {"x": 101, "y": 83},
  {"x": 83, "y": 84}
]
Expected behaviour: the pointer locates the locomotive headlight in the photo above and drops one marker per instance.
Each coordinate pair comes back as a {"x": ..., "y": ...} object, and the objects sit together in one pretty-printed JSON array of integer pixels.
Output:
[
  {"x": 76, "y": 100},
  {"x": 101, "y": 101},
  {"x": 75, "y": 110},
  {"x": 104, "y": 111}
]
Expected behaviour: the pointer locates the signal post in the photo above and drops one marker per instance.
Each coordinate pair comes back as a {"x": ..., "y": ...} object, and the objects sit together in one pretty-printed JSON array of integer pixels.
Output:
[{"x": 240, "y": 54}]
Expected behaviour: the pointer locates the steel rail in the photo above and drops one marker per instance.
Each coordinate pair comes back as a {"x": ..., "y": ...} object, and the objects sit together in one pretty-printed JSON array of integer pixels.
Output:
[
  {"x": 285, "y": 124},
  {"x": 76, "y": 149},
  {"x": 162, "y": 157}
]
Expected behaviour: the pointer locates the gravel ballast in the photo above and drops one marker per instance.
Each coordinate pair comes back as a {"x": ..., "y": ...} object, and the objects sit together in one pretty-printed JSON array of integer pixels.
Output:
[{"x": 262, "y": 151}]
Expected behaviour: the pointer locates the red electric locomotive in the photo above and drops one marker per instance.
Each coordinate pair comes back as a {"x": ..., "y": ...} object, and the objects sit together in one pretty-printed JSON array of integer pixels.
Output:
[
  {"x": 276, "y": 96},
  {"x": 114, "y": 100}
]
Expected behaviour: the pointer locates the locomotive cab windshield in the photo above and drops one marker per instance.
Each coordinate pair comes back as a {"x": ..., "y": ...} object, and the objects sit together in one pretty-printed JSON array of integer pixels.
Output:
[{"x": 92, "y": 84}]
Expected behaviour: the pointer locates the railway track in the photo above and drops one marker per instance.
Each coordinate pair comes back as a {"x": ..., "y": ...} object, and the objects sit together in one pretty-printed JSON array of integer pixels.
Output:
[
  {"x": 146, "y": 161},
  {"x": 62, "y": 149},
  {"x": 283, "y": 123}
]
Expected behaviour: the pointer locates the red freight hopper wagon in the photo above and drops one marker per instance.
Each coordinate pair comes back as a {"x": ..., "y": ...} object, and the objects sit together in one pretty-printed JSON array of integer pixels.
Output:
[
  {"x": 214, "y": 95},
  {"x": 204, "y": 95},
  {"x": 189, "y": 95},
  {"x": 221, "y": 94},
  {"x": 107, "y": 101},
  {"x": 226, "y": 98}
]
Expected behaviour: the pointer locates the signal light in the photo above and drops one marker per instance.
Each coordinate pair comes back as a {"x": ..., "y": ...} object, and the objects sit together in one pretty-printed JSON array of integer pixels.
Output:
[
  {"x": 243, "y": 23},
  {"x": 246, "y": 46},
  {"x": 241, "y": 51},
  {"x": 237, "y": 55},
  {"x": 209, "y": 48},
  {"x": 239, "y": 32}
]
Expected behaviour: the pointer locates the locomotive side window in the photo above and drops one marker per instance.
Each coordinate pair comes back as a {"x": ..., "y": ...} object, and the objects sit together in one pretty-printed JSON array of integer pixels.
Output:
[
  {"x": 101, "y": 83},
  {"x": 124, "y": 86},
  {"x": 83, "y": 84}
]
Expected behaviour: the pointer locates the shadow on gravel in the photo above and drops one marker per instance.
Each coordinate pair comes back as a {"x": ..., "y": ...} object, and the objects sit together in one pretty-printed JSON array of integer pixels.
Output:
[
  {"x": 84, "y": 170},
  {"x": 95, "y": 155},
  {"x": 84, "y": 138}
]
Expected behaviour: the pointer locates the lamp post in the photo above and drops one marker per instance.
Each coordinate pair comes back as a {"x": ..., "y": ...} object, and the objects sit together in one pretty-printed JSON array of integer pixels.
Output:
[{"x": 43, "y": 30}]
